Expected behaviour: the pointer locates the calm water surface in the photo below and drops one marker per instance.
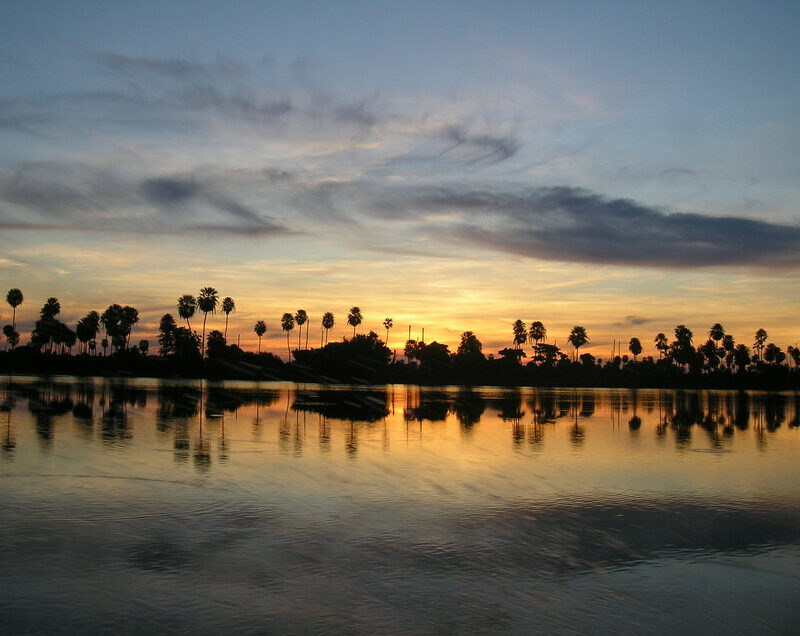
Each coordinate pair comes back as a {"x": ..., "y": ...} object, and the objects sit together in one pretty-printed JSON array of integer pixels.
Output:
[{"x": 145, "y": 506}]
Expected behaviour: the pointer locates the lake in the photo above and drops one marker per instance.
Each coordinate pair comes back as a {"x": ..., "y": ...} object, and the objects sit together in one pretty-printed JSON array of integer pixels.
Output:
[{"x": 134, "y": 506}]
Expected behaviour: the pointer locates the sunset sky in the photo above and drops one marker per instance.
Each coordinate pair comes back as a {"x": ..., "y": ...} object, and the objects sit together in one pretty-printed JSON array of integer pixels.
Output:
[{"x": 625, "y": 166}]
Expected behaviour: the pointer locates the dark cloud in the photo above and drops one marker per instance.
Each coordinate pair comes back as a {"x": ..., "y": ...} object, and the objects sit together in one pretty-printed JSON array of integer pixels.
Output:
[
  {"x": 480, "y": 148},
  {"x": 165, "y": 191},
  {"x": 572, "y": 224},
  {"x": 633, "y": 321},
  {"x": 56, "y": 196}
]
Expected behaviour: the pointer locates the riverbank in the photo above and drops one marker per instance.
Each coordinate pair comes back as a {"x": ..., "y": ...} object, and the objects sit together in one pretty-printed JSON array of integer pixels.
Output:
[{"x": 366, "y": 370}]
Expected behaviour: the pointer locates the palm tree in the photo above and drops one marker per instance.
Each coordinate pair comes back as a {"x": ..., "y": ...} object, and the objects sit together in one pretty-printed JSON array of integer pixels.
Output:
[
  {"x": 577, "y": 338},
  {"x": 260, "y": 328},
  {"x": 301, "y": 317},
  {"x": 388, "y": 324},
  {"x": 129, "y": 317},
  {"x": 14, "y": 298},
  {"x": 758, "y": 345},
  {"x": 354, "y": 318},
  {"x": 186, "y": 306},
  {"x": 635, "y": 347},
  {"x": 716, "y": 333},
  {"x": 110, "y": 320},
  {"x": 537, "y": 332},
  {"x": 287, "y": 324},
  {"x": 327, "y": 324},
  {"x": 206, "y": 302},
  {"x": 50, "y": 309},
  {"x": 662, "y": 344},
  {"x": 227, "y": 307},
  {"x": 520, "y": 333}
]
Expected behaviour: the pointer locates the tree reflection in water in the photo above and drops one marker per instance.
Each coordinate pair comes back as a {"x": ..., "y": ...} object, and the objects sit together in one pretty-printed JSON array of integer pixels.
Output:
[{"x": 194, "y": 414}]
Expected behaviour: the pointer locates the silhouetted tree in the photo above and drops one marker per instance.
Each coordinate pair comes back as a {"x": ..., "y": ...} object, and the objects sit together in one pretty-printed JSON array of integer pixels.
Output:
[
  {"x": 144, "y": 347},
  {"x": 287, "y": 324},
  {"x": 520, "y": 334},
  {"x": 128, "y": 318},
  {"x": 227, "y": 307},
  {"x": 354, "y": 318},
  {"x": 710, "y": 353},
  {"x": 758, "y": 345},
  {"x": 301, "y": 317},
  {"x": 537, "y": 333},
  {"x": 470, "y": 346},
  {"x": 11, "y": 335},
  {"x": 166, "y": 335},
  {"x": 716, "y": 333},
  {"x": 50, "y": 309},
  {"x": 207, "y": 303},
  {"x": 260, "y": 328},
  {"x": 773, "y": 354},
  {"x": 187, "y": 345},
  {"x": 577, "y": 338},
  {"x": 327, "y": 324},
  {"x": 87, "y": 327},
  {"x": 662, "y": 344},
  {"x": 635, "y": 347},
  {"x": 388, "y": 323},
  {"x": 741, "y": 357},
  {"x": 14, "y": 298},
  {"x": 681, "y": 348},
  {"x": 216, "y": 344},
  {"x": 186, "y": 307}
]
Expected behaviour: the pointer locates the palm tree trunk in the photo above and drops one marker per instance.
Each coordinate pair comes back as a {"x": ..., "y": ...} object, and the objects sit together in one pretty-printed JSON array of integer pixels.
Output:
[
  {"x": 321, "y": 334},
  {"x": 307, "y": 336},
  {"x": 288, "y": 347},
  {"x": 226, "y": 328},
  {"x": 259, "y": 344},
  {"x": 203, "y": 341}
]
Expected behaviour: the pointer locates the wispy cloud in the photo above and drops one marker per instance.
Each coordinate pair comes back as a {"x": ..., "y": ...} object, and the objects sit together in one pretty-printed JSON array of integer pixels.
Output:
[
  {"x": 59, "y": 196},
  {"x": 571, "y": 224}
]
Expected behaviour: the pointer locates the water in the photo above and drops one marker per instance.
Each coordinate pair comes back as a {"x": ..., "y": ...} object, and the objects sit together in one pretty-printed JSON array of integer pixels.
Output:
[{"x": 133, "y": 506}]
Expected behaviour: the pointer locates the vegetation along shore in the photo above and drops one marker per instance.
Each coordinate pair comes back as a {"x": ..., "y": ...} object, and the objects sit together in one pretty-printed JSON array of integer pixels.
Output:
[{"x": 101, "y": 344}]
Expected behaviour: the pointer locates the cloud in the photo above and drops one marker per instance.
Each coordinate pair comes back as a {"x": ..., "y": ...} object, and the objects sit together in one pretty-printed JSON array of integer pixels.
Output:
[
  {"x": 633, "y": 321},
  {"x": 82, "y": 197},
  {"x": 576, "y": 225},
  {"x": 176, "y": 68},
  {"x": 480, "y": 148}
]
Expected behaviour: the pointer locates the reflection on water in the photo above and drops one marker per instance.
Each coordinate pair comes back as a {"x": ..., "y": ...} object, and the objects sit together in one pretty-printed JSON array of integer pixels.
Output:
[{"x": 275, "y": 507}]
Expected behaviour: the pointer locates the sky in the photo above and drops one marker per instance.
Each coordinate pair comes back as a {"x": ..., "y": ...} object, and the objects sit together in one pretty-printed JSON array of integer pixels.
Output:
[{"x": 624, "y": 166}]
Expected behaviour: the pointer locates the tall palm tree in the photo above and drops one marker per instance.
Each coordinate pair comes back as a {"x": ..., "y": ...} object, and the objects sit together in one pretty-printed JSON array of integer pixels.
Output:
[
  {"x": 260, "y": 328},
  {"x": 520, "y": 333},
  {"x": 354, "y": 318},
  {"x": 14, "y": 298},
  {"x": 388, "y": 324},
  {"x": 716, "y": 333},
  {"x": 661, "y": 344},
  {"x": 577, "y": 338},
  {"x": 758, "y": 344},
  {"x": 206, "y": 302},
  {"x": 50, "y": 309},
  {"x": 186, "y": 306},
  {"x": 537, "y": 332},
  {"x": 227, "y": 307},
  {"x": 287, "y": 324},
  {"x": 327, "y": 324},
  {"x": 301, "y": 317},
  {"x": 129, "y": 317},
  {"x": 635, "y": 347}
]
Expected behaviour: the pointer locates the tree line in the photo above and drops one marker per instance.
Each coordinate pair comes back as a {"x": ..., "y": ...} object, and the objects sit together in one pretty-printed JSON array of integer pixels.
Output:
[{"x": 367, "y": 357}]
